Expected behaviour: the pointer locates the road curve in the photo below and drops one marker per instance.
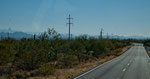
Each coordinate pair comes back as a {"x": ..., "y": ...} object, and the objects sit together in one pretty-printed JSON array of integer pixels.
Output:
[{"x": 133, "y": 64}]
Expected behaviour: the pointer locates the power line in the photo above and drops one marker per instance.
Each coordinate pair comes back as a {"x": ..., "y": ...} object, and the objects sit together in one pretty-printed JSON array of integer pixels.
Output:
[
  {"x": 101, "y": 33},
  {"x": 34, "y": 36},
  {"x": 69, "y": 23},
  {"x": 8, "y": 34},
  {"x": 112, "y": 35},
  {"x": 107, "y": 36}
]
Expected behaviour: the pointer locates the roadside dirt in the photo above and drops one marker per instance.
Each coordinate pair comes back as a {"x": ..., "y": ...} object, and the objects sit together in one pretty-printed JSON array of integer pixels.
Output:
[
  {"x": 148, "y": 50},
  {"x": 70, "y": 72}
]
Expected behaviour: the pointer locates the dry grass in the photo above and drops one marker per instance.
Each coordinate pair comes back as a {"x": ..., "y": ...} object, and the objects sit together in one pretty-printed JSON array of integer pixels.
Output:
[
  {"x": 70, "y": 72},
  {"x": 148, "y": 52}
]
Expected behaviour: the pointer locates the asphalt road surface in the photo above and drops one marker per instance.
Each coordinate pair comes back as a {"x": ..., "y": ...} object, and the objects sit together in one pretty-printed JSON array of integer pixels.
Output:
[{"x": 133, "y": 64}]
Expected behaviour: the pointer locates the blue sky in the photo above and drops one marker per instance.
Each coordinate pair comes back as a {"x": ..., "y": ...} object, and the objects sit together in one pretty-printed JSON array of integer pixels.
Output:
[{"x": 120, "y": 17}]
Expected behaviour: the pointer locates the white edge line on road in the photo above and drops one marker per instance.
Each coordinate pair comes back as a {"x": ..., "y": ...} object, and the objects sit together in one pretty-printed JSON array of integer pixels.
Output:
[
  {"x": 96, "y": 67},
  {"x": 93, "y": 69},
  {"x": 124, "y": 69}
]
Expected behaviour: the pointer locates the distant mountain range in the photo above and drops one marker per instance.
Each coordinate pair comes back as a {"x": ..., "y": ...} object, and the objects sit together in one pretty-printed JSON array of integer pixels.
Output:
[
  {"x": 18, "y": 35},
  {"x": 14, "y": 34},
  {"x": 105, "y": 36}
]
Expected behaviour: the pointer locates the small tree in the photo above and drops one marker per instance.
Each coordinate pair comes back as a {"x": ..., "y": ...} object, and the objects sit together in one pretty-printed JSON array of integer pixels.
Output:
[
  {"x": 53, "y": 34},
  {"x": 43, "y": 36}
]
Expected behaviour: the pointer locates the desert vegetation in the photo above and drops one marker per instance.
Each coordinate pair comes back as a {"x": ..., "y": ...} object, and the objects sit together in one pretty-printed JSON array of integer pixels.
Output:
[{"x": 42, "y": 56}]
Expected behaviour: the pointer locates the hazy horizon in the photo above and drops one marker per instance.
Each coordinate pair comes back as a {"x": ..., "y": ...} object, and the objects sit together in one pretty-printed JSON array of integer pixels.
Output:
[{"x": 124, "y": 18}]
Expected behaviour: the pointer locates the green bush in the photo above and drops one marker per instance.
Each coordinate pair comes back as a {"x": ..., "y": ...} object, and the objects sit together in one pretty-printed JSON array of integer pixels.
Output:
[
  {"x": 29, "y": 54},
  {"x": 65, "y": 60},
  {"x": 6, "y": 53},
  {"x": 117, "y": 51},
  {"x": 47, "y": 69}
]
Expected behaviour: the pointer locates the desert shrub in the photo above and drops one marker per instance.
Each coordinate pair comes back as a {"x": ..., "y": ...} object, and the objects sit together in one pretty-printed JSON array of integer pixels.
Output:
[
  {"x": 102, "y": 55},
  {"x": 116, "y": 52},
  {"x": 147, "y": 42},
  {"x": 65, "y": 60},
  {"x": 75, "y": 45},
  {"x": 29, "y": 54},
  {"x": 83, "y": 57},
  {"x": 31, "y": 59},
  {"x": 6, "y": 53},
  {"x": 47, "y": 69}
]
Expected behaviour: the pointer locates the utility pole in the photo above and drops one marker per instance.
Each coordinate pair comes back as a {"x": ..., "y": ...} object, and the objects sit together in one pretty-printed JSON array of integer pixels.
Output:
[
  {"x": 34, "y": 37},
  {"x": 107, "y": 36},
  {"x": 112, "y": 35},
  {"x": 8, "y": 34},
  {"x": 69, "y": 23},
  {"x": 101, "y": 33},
  {"x": 71, "y": 37}
]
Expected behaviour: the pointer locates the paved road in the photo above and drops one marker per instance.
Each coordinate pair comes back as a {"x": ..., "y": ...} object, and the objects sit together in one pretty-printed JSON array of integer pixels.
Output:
[{"x": 133, "y": 64}]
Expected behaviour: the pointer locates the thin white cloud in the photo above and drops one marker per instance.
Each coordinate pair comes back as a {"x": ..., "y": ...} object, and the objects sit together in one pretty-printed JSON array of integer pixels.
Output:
[{"x": 40, "y": 15}]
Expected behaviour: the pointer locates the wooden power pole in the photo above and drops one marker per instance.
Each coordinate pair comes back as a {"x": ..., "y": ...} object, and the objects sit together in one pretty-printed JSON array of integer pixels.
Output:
[
  {"x": 107, "y": 36},
  {"x": 69, "y": 23},
  {"x": 34, "y": 36},
  {"x": 101, "y": 34},
  {"x": 8, "y": 34}
]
